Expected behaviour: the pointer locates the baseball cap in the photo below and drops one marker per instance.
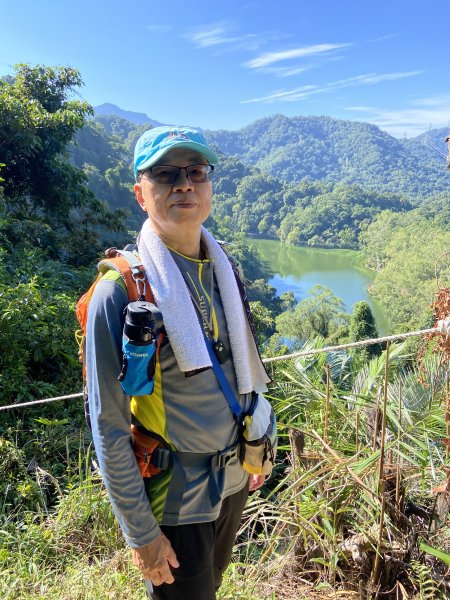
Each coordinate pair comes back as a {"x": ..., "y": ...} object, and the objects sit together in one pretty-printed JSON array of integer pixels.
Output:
[{"x": 154, "y": 143}]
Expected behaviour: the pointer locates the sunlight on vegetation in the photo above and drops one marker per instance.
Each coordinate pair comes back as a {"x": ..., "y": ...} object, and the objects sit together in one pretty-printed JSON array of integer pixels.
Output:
[
  {"x": 317, "y": 525},
  {"x": 322, "y": 518},
  {"x": 358, "y": 503}
]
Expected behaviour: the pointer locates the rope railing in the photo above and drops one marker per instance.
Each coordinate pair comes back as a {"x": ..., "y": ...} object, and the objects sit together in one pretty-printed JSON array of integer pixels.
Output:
[
  {"x": 43, "y": 401},
  {"x": 388, "y": 338},
  {"x": 380, "y": 340}
]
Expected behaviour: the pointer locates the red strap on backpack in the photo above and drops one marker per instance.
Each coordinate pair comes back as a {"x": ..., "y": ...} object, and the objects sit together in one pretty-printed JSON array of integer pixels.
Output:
[{"x": 117, "y": 263}]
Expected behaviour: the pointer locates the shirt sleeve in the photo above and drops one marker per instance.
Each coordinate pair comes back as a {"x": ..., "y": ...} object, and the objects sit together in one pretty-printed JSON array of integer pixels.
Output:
[{"x": 111, "y": 417}]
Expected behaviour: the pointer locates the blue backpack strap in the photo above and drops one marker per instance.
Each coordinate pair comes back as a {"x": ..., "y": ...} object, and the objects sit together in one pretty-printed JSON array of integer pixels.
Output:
[{"x": 234, "y": 405}]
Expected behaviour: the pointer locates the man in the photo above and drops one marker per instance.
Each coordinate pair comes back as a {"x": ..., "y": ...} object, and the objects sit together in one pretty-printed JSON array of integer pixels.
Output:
[{"x": 182, "y": 539}]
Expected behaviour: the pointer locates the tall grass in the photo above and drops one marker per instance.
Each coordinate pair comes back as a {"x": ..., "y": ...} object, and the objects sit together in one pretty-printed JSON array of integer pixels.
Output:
[
  {"x": 40, "y": 549},
  {"x": 347, "y": 496},
  {"x": 315, "y": 529}
]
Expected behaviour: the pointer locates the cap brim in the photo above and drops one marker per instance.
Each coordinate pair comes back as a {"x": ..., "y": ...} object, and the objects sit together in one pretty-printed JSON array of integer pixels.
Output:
[{"x": 210, "y": 156}]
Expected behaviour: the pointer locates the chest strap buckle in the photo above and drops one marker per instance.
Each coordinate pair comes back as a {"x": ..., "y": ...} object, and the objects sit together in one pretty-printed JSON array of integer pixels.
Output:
[{"x": 161, "y": 458}]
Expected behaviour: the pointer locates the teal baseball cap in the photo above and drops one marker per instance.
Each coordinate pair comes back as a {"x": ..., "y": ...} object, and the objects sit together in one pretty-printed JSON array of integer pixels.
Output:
[{"x": 156, "y": 142}]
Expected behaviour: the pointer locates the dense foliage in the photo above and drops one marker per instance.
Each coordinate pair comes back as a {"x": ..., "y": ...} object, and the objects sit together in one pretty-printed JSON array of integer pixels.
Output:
[
  {"x": 404, "y": 249},
  {"x": 51, "y": 225},
  {"x": 102, "y": 149},
  {"x": 47, "y": 202},
  {"x": 41, "y": 207},
  {"x": 333, "y": 150}
]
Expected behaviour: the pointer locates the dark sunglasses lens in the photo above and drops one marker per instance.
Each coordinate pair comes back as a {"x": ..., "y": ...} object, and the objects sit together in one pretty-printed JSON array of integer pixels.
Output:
[
  {"x": 165, "y": 174},
  {"x": 198, "y": 173}
]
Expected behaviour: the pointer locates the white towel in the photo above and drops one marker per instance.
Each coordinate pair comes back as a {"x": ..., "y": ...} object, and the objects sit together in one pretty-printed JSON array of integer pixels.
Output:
[{"x": 180, "y": 318}]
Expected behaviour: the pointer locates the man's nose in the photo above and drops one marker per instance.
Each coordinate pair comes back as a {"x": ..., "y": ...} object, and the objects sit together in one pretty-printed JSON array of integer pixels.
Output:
[{"x": 183, "y": 182}]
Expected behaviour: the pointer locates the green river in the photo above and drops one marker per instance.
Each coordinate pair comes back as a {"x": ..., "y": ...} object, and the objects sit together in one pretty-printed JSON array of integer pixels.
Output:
[{"x": 299, "y": 269}]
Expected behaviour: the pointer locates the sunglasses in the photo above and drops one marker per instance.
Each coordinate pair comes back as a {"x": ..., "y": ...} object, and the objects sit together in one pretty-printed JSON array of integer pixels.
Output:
[{"x": 169, "y": 174}]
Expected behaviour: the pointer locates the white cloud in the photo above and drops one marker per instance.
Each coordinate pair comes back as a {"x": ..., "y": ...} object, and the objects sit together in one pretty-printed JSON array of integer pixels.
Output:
[
  {"x": 269, "y": 58},
  {"x": 303, "y": 92},
  {"x": 223, "y": 35},
  {"x": 428, "y": 112},
  {"x": 411, "y": 122},
  {"x": 286, "y": 96},
  {"x": 283, "y": 72},
  {"x": 211, "y": 37},
  {"x": 360, "y": 108},
  {"x": 385, "y": 37},
  {"x": 226, "y": 36},
  {"x": 442, "y": 100},
  {"x": 374, "y": 78}
]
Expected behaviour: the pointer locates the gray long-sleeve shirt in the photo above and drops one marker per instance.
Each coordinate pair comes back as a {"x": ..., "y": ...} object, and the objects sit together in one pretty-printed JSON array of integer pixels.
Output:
[{"x": 197, "y": 416}]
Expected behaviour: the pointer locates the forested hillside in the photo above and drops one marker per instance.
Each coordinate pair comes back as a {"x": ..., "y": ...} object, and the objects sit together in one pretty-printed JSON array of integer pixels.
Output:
[
  {"x": 307, "y": 180},
  {"x": 292, "y": 149},
  {"x": 429, "y": 146},
  {"x": 336, "y": 151},
  {"x": 310, "y": 181}
]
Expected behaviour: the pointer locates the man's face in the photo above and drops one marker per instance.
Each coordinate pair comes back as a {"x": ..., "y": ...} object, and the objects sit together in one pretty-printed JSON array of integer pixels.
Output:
[{"x": 174, "y": 209}]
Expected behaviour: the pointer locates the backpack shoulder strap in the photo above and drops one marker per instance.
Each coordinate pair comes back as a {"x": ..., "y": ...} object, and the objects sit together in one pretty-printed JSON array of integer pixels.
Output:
[
  {"x": 131, "y": 270},
  {"x": 129, "y": 266}
]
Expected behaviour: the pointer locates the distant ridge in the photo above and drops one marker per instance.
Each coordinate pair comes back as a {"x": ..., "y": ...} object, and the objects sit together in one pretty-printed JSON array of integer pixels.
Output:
[
  {"x": 135, "y": 117},
  {"x": 319, "y": 148},
  {"x": 350, "y": 152}
]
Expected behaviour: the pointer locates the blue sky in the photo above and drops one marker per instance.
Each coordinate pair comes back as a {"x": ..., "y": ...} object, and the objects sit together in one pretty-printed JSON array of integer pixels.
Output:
[{"x": 222, "y": 65}]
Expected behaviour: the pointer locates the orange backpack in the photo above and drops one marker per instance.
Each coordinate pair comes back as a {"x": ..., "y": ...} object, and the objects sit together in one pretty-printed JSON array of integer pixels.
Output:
[{"x": 128, "y": 264}]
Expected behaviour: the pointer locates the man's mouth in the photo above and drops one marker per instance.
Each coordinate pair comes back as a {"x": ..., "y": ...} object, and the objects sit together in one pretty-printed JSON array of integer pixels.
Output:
[{"x": 184, "y": 203}]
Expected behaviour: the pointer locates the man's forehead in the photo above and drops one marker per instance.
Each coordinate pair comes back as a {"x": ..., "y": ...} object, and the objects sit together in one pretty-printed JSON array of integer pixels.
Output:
[{"x": 185, "y": 154}]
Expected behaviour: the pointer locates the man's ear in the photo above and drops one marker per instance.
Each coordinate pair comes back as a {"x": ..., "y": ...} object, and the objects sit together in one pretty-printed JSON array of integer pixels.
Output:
[{"x": 139, "y": 197}]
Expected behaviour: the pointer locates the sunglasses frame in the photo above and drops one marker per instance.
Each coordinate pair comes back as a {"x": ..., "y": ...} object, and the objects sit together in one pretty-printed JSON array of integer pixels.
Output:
[{"x": 209, "y": 171}]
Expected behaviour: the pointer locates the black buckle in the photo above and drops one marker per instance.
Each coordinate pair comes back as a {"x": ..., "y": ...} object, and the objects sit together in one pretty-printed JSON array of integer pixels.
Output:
[
  {"x": 224, "y": 459},
  {"x": 161, "y": 458}
]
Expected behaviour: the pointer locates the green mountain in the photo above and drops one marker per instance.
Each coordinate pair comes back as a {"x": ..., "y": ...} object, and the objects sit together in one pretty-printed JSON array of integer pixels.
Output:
[
  {"x": 103, "y": 149},
  {"x": 333, "y": 150},
  {"x": 293, "y": 149},
  {"x": 304, "y": 180}
]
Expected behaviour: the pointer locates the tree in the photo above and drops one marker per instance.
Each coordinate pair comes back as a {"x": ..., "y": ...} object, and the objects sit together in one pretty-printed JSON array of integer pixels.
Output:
[
  {"x": 288, "y": 300},
  {"x": 47, "y": 200},
  {"x": 264, "y": 322},
  {"x": 321, "y": 314},
  {"x": 362, "y": 327},
  {"x": 375, "y": 237}
]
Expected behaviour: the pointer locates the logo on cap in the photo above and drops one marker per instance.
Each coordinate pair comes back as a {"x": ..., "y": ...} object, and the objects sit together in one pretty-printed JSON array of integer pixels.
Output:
[{"x": 176, "y": 134}]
